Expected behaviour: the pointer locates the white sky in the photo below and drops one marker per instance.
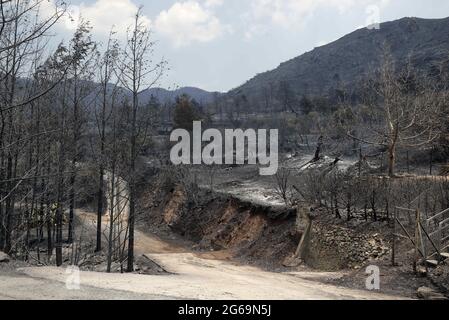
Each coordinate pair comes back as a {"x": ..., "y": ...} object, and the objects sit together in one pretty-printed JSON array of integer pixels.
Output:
[{"x": 219, "y": 44}]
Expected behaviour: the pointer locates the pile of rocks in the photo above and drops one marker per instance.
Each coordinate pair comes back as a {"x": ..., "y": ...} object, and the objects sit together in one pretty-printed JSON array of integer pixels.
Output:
[
  {"x": 93, "y": 262},
  {"x": 440, "y": 277},
  {"x": 426, "y": 293},
  {"x": 98, "y": 263},
  {"x": 353, "y": 249}
]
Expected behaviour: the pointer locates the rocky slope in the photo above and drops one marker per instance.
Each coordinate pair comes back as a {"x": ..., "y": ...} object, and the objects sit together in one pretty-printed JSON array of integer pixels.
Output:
[{"x": 345, "y": 62}]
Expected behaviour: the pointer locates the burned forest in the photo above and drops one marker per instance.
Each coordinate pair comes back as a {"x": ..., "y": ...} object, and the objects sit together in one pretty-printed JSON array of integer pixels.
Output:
[{"x": 324, "y": 178}]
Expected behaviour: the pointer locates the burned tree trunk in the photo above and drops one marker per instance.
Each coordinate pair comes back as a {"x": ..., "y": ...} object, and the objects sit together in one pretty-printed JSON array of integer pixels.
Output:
[{"x": 319, "y": 147}]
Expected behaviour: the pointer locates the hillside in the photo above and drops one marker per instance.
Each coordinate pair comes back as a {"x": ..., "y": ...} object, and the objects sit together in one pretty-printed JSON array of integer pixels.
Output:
[
  {"x": 345, "y": 62},
  {"x": 166, "y": 96}
]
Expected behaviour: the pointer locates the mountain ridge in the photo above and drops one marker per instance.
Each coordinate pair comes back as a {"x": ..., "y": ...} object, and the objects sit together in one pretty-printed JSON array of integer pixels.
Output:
[
  {"x": 351, "y": 58},
  {"x": 169, "y": 96}
]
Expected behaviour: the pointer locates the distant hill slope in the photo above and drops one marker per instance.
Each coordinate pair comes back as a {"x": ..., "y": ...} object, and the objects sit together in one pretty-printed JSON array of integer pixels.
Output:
[
  {"x": 165, "y": 96},
  {"x": 347, "y": 60}
]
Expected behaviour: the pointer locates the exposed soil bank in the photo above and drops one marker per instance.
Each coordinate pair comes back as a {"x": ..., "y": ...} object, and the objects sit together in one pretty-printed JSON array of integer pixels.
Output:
[{"x": 226, "y": 226}]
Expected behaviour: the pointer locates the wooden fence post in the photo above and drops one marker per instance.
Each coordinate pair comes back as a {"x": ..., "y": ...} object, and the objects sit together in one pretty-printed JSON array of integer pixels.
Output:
[
  {"x": 393, "y": 245},
  {"x": 416, "y": 259}
]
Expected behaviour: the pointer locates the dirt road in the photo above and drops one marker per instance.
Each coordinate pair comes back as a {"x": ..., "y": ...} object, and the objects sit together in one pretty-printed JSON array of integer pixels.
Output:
[{"x": 191, "y": 277}]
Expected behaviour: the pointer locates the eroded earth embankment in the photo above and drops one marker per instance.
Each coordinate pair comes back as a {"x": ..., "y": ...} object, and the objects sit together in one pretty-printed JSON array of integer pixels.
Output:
[{"x": 223, "y": 226}]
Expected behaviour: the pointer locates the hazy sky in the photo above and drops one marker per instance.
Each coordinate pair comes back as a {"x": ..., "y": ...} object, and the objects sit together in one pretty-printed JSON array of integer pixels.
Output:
[{"x": 219, "y": 44}]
